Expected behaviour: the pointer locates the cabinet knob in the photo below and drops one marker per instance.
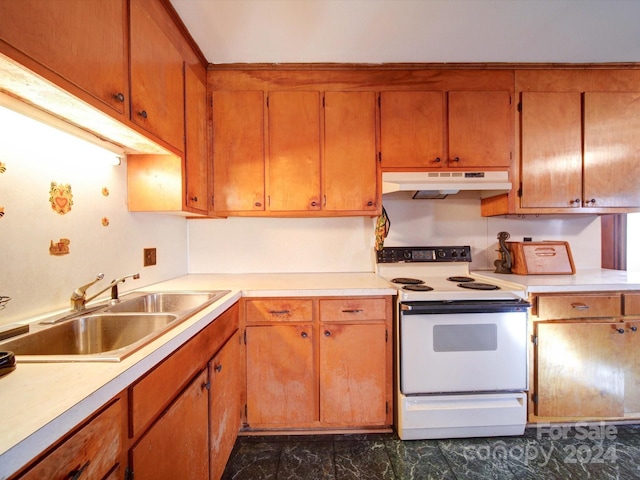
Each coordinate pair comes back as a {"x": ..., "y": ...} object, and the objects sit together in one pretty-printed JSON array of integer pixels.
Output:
[
  {"x": 327, "y": 333},
  {"x": 218, "y": 368},
  {"x": 119, "y": 97},
  {"x": 456, "y": 159},
  {"x": 257, "y": 204},
  {"x": 620, "y": 330},
  {"x": 575, "y": 201},
  {"x": 591, "y": 202},
  {"x": 193, "y": 199},
  {"x": 369, "y": 203},
  {"x": 314, "y": 204},
  {"x": 143, "y": 114},
  {"x": 633, "y": 328},
  {"x": 438, "y": 160},
  {"x": 304, "y": 335}
]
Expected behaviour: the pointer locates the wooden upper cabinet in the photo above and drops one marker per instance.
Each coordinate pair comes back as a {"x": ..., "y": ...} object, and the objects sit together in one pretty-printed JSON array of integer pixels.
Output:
[
  {"x": 238, "y": 151},
  {"x": 294, "y": 151},
  {"x": 412, "y": 129},
  {"x": 350, "y": 166},
  {"x": 611, "y": 149},
  {"x": 480, "y": 129},
  {"x": 157, "y": 77},
  {"x": 81, "y": 41},
  {"x": 196, "y": 160},
  {"x": 478, "y": 126},
  {"x": 551, "y": 169}
]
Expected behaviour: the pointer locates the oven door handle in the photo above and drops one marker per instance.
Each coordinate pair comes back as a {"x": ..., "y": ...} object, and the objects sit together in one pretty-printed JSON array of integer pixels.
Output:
[{"x": 464, "y": 306}]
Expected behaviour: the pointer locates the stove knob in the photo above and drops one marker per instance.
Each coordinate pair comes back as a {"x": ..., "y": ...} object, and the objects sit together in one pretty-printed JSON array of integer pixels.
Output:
[
  {"x": 454, "y": 254},
  {"x": 406, "y": 254},
  {"x": 441, "y": 253}
]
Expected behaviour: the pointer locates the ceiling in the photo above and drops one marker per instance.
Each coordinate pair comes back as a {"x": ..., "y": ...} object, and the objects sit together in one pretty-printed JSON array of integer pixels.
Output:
[{"x": 384, "y": 31}]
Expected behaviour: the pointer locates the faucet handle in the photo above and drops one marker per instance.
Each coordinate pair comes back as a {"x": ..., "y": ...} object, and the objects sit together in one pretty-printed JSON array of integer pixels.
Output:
[{"x": 80, "y": 291}]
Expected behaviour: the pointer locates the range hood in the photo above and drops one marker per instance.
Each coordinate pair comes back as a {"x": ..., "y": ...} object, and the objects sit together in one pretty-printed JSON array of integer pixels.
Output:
[{"x": 439, "y": 184}]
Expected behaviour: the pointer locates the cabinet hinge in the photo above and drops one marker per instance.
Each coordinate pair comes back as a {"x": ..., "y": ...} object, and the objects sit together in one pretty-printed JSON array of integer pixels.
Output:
[
  {"x": 520, "y": 191},
  {"x": 386, "y": 407},
  {"x": 519, "y": 106},
  {"x": 211, "y": 101},
  {"x": 245, "y": 337},
  {"x": 245, "y": 410},
  {"x": 267, "y": 101},
  {"x": 534, "y": 398},
  {"x": 534, "y": 339},
  {"x": 379, "y": 157},
  {"x": 212, "y": 200},
  {"x": 323, "y": 101},
  {"x": 386, "y": 336},
  {"x": 379, "y": 101},
  {"x": 128, "y": 474}
]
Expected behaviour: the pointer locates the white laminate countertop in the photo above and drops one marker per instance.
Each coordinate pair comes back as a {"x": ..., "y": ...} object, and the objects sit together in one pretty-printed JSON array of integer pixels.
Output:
[
  {"x": 585, "y": 280},
  {"x": 41, "y": 402}
]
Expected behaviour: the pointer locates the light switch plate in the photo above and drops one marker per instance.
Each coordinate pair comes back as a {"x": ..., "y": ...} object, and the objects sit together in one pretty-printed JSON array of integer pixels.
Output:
[{"x": 149, "y": 257}]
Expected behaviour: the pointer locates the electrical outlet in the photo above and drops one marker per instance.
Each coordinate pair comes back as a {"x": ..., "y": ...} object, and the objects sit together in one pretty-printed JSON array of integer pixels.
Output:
[{"x": 149, "y": 257}]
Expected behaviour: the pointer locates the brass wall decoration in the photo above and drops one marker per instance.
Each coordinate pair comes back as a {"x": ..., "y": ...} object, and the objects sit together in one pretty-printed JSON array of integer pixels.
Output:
[
  {"x": 105, "y": 222},
  {"x": 3, "y": 167},
  {"x": 1, "y": 212},
  {"x": 61, "y": 198},
  {"x": 61, "y": 247}
]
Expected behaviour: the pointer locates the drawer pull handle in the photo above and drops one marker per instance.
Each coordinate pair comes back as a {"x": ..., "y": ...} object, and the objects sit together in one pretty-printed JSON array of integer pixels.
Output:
[
  {"x": 279, "y": 312},
  {"x": 353, "y": 310},
  {"x": 75, "y": 474},
  {"x": 580, "y": 306}
]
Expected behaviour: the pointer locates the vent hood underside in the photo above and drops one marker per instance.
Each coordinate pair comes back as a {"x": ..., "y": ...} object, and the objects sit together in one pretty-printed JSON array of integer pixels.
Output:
[{"x": 446, "y": 183}]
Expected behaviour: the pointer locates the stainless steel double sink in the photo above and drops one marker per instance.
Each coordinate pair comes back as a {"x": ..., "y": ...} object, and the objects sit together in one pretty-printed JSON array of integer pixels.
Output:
[{"x": 109, "y": 333}]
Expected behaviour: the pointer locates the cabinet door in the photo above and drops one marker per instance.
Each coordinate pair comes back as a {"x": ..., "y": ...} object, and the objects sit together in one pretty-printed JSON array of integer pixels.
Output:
[
  {"x": 412, "y": 129},
  {"x": 157, "y": 78},
  {"x": 611, "y": 149},
  {"x": 353, "y": 374},
  {"x": 632, "y": 367},
  {"x": 580, "y": 372},
  {"x": 350, "y": 166},
  {"x": 551, "y": 149},
  {"x": 281, "y": 376},
  {"x": 294, "y": 151},
  {"x": 480, "y": 129},
  {"x": 196, "y": 161},
  {"x": 238, "y": 151},
  {"x": 224, "y": 404},
  {"x": 90, "y": 453},
  {"x": 176, "y": 446},
  {"x": 83, "y": 41}
]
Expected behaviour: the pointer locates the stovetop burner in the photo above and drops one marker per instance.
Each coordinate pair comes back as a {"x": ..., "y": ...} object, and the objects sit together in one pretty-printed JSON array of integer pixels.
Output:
[
  {"x": 418, "y": 288},
  {"x": 461, "y": 279},
  {"x": 479, "y": 286},
  {"x": 407, "y": 281}
]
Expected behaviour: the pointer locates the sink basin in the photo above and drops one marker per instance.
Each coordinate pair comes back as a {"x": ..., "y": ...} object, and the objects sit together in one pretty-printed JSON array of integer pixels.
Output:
[
  {"x": 100, "y": 337},
  {"x": 160, "y": 302},
  {"x": 108, "y": 333}
]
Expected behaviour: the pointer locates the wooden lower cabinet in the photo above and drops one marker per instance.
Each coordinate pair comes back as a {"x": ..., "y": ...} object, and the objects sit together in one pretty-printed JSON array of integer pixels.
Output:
[
  {"x": 586, "y": 357},
  {"x": 176, "y": 445},
  {"x": 93, "y": 451},
  {"x": 224, "y": 404},
  {"x": 330, "y": 371}
]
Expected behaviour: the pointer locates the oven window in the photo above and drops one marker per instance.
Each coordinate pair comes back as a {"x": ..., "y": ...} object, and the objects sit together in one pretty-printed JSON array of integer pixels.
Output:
[{"x": 465, "y": 338}]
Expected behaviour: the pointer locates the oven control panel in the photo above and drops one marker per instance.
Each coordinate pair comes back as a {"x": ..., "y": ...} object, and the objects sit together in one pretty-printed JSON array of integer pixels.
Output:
[{"x": 424, "y": 254}]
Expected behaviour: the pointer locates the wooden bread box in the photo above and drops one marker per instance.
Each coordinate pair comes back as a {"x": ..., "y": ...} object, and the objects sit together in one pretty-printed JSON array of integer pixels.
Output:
[{"x": 541, "y": 258}]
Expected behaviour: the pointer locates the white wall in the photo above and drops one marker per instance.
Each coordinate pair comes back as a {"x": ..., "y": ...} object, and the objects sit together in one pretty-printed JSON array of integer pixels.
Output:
[
  {"x": 38, "y": 282},
  {"x": 239, "y": 245}
]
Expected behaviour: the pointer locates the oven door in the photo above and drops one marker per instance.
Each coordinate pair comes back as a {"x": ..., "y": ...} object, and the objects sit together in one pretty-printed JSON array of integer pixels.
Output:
[{"x": 463, "y": 347}]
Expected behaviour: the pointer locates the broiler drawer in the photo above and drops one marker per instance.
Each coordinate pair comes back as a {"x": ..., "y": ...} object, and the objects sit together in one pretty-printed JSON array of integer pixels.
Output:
[
  {"x": 579, "y": 306},
  {"x": 279, "y": 310}
]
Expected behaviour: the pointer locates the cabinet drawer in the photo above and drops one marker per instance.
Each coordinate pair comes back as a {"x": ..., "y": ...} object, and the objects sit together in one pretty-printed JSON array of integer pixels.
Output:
[
  {"x": 579, "y": 306},
  {"x": 631, "y": 302},
  {"x": 350, "y": 309},
  {"x": 94, "y": 448},
  {"x": 279, "y": 310}
]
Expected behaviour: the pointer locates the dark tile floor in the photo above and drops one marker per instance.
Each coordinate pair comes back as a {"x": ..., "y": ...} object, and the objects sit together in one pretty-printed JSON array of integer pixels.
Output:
[{"x": 577, "y": 452}]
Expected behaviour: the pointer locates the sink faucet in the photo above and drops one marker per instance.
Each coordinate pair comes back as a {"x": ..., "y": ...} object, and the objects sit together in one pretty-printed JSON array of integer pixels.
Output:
[{"x": 79, "y": 296}]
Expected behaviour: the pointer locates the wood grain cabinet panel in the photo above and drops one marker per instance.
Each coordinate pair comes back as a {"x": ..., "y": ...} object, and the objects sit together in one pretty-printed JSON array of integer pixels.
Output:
[
  {"x": 176, "y": 446},
  {"x": 579, "y": 306},
  {"x": 91, "y": 452},
  {"x": 80, "y": 41},
  {"x": 238, "y": 151},
  {"x": 225, "y": 404},
  {"x": 294, "y": 151},
  {"x": 631, "y": 302},
  {"x": 281, "y": 375},
  {"x": 349, "y": 167},
  {"x": 157, "y": 78},
  {"x": 412, "y": 129},
  {"x": 279, "y": 310},
  {"x": 353, "y": 374}
]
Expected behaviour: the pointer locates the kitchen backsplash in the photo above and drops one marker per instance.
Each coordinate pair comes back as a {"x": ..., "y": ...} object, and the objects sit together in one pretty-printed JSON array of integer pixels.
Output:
[{"x": 240, "y": 245}]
